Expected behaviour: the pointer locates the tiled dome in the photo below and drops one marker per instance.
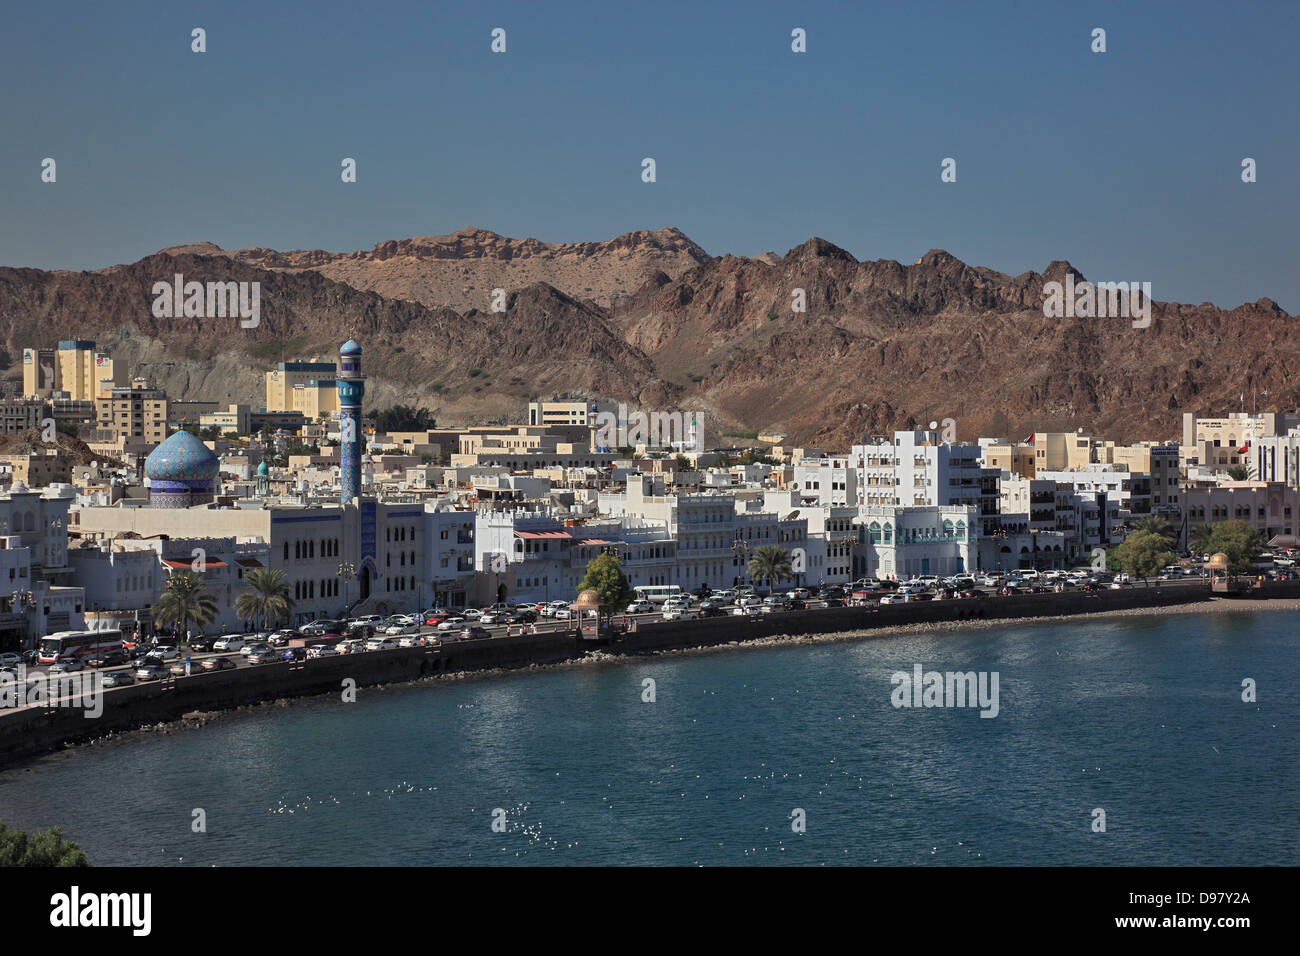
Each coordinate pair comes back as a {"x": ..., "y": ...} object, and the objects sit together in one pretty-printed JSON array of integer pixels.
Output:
[
  {"x": 350, "y": 347},
  {"x": 182, "y": 457}
]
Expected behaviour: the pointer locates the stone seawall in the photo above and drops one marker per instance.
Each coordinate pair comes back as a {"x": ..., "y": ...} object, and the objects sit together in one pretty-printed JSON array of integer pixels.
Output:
[
  {"x": 34, "y": 730},
  {"x": 723, "y": 630}
]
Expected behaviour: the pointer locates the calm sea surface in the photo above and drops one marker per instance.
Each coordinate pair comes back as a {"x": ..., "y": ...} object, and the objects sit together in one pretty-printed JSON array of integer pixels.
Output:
[{"x": 1142, "y": 718}]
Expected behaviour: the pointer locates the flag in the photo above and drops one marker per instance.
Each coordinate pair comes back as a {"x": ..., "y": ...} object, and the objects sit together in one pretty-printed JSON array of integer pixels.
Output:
[
  {"x": 1245, "y": 448},
  {"x": 1029, "y": 440}
]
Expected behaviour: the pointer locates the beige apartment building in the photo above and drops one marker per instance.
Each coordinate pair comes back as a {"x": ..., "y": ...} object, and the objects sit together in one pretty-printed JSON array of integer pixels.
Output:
[
  {"x": 74, "y": 368},
  {"x": 136, "y": 412},
  {"x": 307, "y": 387}
]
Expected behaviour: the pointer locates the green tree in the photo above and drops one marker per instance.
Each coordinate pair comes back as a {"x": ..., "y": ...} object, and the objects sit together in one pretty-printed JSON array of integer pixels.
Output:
[
  {"x": 267, "y": 596},
  {"x": 1158, "y": 525},
  {"x": 1198, "y": 539},
  {"x": 605, "y": 576},
  {"x": 1239, "y": 473},
  {"x": 186, "y": 598},
  {"x": 1143, "y": 554},
  {"x": 1239, "y": 541},
  {"x": 404, "y": 418},
  {"x": 44, "y": 848},
  {"x": 770, "y": 563}
]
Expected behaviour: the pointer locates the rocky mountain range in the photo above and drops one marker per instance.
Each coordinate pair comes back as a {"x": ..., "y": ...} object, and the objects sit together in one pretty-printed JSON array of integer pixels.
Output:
[{"x": 649, "y": 318}]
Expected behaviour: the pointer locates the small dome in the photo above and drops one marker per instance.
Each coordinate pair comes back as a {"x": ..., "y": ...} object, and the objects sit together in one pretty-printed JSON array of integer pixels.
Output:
[
  {"x": 263, "y": 470},
  {"x": 350, "y": 347},
  {"x": 1218, "y": 560},
  {"x": 182, "y": 457}
]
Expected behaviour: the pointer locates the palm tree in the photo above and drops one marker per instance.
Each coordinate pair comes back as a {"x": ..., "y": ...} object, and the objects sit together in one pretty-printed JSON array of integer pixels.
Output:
[
  {"x": 186, "y": 598},
  {"x": 1242, "y": 472},
  {"x": 770, "y": 563},
  {"x": 1157, "y": 525},
  {"x": 267, "y": 597},
  {"x": 1198, "y": 540}
]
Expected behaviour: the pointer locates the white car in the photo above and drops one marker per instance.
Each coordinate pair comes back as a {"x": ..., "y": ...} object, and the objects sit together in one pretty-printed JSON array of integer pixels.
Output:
[
  {"x": 725, "y": 596},
  {"x": 799, "y": 594},
  {"x": 321, "y": 650},
  {"x": 166, "y": 652},
  {"x": 640, "y": 607},
  {"x": 381, "y": 644},
  {"x": 10, "y": 660},
  {"x": 231, "y": 643},
  {"x": 471, "y": 613},
  {"x": 747, "y": 600},
  {"x": 396, "y": 629},
  {"x": 748, "y": 611},
  {"x": 892, "y": 599},
  {"x": 680, "y": 614},
  {"x": 255, "y": 648},
  {"x": 562, "y": 614},
  {"x": 410, "y": 640},
  {"x": 452, "y": 624}
]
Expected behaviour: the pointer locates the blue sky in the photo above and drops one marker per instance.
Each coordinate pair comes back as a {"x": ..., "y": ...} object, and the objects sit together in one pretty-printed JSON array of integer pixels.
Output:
[{"x": 1127, "y": 163}]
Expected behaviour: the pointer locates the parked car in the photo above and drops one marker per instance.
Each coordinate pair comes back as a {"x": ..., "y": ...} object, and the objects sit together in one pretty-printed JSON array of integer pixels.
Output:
[
  {"x": 496, "y": 617},
  {"x": 749, "y": 610},
  {"x": 471, "y": 613},
  {"x": 321, "y": 650},
  {"x": 321, "y": 626},
  {"x": 217, "y": 664},
  {"x": 248, "y": 650},
  {"x": 121, "y": 678},
  {"x": 472, "y": 633},
  {"x": 452, "y": 624},
  {"x": 10, "y": 660},
  {"x": 562, "y": 614},
  {"x": 378, "y": 643},
  {"x": 294, "y": 654},
  {"x": 410, "y": 640},
  {"x": 281, "y": 638},
  {"x": 67, "y": 665},
  {"x": 351, "y": 645},
  {"x": 265, "y": 654},
  {"x": 108, "y": 659},
  {"x": 145, "y": 672},
  {"x": 640, "y": 607},
  {"x": 748, "y": 600},
  {"x": 177, "y": 669},
  {"x": 231, "y": 642},
  {"x": 201, "y": 643},
  {"x": 798, "y": 594},
  {"x": 166, "y": 652},
  {"x": 393, "y": 630},
  {"x": 678, "y": 613}
]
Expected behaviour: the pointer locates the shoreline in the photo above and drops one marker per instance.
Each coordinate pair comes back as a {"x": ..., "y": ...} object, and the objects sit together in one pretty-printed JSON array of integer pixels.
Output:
[{"x": 198, "y": 719}]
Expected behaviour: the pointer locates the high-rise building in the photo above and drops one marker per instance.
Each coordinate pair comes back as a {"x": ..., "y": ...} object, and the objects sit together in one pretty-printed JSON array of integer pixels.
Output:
[
  {"x": 352, "y": 390},
  {"x": 296, "y": 386},
  {"x": 74, "y": 368}
]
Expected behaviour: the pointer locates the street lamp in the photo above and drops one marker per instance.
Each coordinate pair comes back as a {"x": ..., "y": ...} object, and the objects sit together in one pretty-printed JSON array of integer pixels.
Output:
[
  {"x": 347, "y": 572},
  {"x": 740, "y": 547},
  {"x": 22, "y": 598}
]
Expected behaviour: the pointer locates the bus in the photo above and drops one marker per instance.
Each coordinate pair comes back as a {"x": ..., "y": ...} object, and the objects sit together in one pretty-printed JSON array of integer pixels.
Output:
[
  {"x": 657, "y": 593},
  {"x": 81, "y": 644}
]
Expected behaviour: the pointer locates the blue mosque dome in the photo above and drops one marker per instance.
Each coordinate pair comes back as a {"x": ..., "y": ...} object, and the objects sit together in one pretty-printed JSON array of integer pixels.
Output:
[
  {"x": 182, "y": 472},
  {"x": 181, "y": 457},
  {"x": 263, "y": 469},
  {"x": 350, "y": 347}
]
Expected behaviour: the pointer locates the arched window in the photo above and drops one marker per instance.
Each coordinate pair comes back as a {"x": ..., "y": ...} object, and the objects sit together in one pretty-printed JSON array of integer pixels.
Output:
[
  {"x": 875, "y": 532},
  {"x": 961, "y": 531},
  {"x": 947, "y": 530},
  {"x": 889, "y": 533}
]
